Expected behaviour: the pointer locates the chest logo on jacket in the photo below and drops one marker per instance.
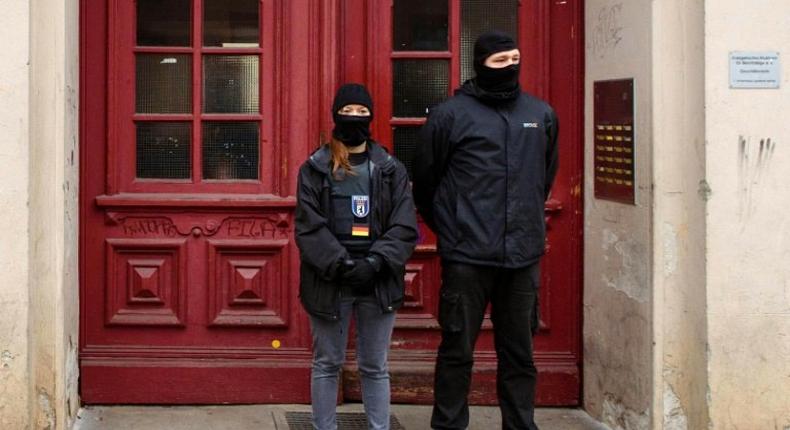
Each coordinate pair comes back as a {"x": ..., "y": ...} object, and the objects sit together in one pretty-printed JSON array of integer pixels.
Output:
[
  {"x": 530, "y": 125},
  {"x": 360, "y": 206}
]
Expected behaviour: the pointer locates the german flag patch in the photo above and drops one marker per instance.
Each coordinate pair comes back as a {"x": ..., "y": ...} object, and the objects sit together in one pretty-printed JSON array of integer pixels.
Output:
[{"x": 360, "y": 230}]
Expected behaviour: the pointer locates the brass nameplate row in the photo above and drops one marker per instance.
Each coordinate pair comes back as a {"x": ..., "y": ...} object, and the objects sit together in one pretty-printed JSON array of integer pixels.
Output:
[
  {"x": 614, "y": 166},
  {"x": 614, "y": 154}
]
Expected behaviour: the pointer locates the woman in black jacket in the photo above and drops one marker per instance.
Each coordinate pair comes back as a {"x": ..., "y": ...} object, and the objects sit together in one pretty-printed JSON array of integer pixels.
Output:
[{"x": 355, "y": 228}]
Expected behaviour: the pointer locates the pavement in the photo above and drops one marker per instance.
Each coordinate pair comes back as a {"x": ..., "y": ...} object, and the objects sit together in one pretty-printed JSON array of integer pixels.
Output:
[{"x": 273, "y": 417}]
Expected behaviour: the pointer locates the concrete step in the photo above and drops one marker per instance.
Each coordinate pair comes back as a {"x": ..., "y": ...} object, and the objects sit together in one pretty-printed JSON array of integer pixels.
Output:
[{"x": 273, "y": 417}]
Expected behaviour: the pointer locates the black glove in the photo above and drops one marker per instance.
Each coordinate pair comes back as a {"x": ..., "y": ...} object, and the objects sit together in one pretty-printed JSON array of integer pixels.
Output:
[
  {"x": 341, "y": 267},
  {"x": 362, "y": 276}
]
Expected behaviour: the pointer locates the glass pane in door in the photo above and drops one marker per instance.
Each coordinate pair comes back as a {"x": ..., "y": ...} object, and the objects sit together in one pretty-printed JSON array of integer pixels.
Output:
[
  {"x": 230, "y": 150},
  {"x": 163, "y": 83},
  {"x": 417, "y": 85},
  {"x": 405, "y": 142},
  {"x": 230, "y": 23},
  {"x": 230, "y": 84},
  {"x": 163, "y": 150},
  {"x": 164, "y": 23},
  {"x": 420, "y": 25}
]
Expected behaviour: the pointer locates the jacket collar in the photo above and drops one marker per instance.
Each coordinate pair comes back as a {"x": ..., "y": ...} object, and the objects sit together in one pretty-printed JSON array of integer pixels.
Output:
[
  {"x": 471, "y": 89},
  {"x": 379, "y": 157}
]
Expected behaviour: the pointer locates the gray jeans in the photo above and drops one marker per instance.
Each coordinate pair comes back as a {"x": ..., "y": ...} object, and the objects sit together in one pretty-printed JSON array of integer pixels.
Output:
[{"x": 374, "y": 330}]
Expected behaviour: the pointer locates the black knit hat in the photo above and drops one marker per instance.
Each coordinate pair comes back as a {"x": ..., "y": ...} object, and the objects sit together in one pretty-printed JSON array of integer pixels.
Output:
[
  {"x": 352, "y": 94},
  {"x": 490, "y": 43}
]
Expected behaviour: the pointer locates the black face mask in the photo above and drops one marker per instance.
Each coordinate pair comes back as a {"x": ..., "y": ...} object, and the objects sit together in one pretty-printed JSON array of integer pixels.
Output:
[
  {"x": 351, "y": 130},
  {"x": 504, "y": 80}
]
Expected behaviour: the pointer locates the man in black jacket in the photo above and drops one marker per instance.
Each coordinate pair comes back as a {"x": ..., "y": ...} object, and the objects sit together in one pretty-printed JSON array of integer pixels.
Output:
[{"x": 484, "y": 166}]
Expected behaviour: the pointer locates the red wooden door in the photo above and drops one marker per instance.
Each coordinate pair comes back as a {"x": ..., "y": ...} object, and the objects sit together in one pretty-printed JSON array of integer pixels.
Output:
[
  {"x": 415, "y": 53},
  {"x": 196, "y": 115},
  {"x": 188, "y": 261}
]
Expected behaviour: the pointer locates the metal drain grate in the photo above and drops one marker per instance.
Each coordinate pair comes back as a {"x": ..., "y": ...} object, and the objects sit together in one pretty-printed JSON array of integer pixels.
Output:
[{"x": 345, "y": 421}]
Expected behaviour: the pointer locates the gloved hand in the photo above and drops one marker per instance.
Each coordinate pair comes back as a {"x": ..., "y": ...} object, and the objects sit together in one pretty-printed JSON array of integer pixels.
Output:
[
  {"x": 342, "y": 266},
  {"x": 362, "y": 276}
]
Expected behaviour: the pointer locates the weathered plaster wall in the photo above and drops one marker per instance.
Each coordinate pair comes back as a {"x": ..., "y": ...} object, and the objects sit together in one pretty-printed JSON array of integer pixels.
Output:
[
  {"x": 747, "y": 161},
  {"x": 14, "y": 25},
  {"x": 53, "y": 278},
  {"x": 617, "y": 237},
  {"x": 679, "y": 196}
]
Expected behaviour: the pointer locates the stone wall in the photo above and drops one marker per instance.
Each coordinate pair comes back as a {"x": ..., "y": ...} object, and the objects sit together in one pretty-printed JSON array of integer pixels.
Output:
[
  {"x": 53, "y": 282},
  {"x": 617, "y": 237},
  {"x": 748, "y": 227},
  {"x": 14, "y": 176}
]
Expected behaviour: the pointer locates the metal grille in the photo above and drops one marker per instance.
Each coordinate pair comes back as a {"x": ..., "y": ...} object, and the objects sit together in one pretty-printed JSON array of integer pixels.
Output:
[
  {"x": 420, "y": 25},
  {"x": 230, "y": 84},
  {"x": 230, "y": 23},
  {"x": 479, "y": 16},
  {"x": 230, "y": 150},
  {"x": 163, "y": 83},
  {"x": 418, "y": 85},
  {"x": 163, "y": 150},
  {"x": 163, "y": 23},
  {"x": 405, "y": 139},
  {"x": 345, "y": 421}
]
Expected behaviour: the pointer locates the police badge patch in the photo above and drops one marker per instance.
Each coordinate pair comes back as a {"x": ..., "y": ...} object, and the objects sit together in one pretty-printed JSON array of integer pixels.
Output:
[{"x": 360, "y": 206}]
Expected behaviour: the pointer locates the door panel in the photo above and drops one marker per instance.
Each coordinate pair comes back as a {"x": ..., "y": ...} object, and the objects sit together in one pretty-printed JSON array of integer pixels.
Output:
[
  {"x": 188, "y": 280},
  {"x": 195, "y": 116},
  {"x": 418, "y": 53}
]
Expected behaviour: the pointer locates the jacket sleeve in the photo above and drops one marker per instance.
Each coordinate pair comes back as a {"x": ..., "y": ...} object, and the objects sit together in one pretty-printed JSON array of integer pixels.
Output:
[
  {"x": 396, "y": 243},
  {"x": 430, "y": 161},
  {"x": 318, "y": 247},
  {"x": 552, "y": 151}
]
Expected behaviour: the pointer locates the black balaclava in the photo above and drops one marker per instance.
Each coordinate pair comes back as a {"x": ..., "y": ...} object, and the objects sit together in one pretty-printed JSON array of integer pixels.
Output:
[
  {"x": 349, "y": 129},
  {"x": 504, "y": 80}
]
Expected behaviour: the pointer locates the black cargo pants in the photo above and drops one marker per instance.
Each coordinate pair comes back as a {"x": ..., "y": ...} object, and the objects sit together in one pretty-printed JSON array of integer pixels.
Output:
[{"x": 465, "y": 292}]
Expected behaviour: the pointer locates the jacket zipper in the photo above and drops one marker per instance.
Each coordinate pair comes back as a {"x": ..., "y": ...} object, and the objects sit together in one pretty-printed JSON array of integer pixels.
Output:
[
  {"x": 375, "y": 186},
  {"x": 507, "y": 184}
]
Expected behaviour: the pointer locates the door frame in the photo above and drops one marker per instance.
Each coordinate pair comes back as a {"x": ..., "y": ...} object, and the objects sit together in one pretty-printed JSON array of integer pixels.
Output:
[{"x": 329, "y": 46}]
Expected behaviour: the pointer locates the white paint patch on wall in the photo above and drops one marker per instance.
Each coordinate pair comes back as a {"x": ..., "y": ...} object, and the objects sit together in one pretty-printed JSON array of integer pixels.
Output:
[
  {"x": 620, "y": 417},
  {"x": 670, "y": 241},
  {"x": 626, "y": 265},
  {"x": 674, "y": 416}
]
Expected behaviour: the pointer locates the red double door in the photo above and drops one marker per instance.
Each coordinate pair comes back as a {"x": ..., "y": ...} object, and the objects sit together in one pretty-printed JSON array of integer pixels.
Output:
[{"x": 196, "y": 115}]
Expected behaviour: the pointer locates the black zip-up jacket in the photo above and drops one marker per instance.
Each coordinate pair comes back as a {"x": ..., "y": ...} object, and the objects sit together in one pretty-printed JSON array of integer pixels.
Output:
[
  {"x": 393, "y": 230},
  {"x": 482, "y": 173}
]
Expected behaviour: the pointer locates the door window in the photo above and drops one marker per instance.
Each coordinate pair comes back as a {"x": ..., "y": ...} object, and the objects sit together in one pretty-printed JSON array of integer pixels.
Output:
[{"x": 198, "y": 112}]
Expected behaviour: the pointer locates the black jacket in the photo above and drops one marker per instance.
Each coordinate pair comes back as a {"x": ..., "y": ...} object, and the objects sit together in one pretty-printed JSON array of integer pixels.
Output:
[
  {"x": 482, "y": 173},
  {"x": 393, "y": 230}
]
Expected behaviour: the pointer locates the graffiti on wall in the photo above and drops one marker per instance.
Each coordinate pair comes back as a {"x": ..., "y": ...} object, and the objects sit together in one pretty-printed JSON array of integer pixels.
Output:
[
  {"x": 608, "y": 30},
  {"x": 754, "y": 163}
]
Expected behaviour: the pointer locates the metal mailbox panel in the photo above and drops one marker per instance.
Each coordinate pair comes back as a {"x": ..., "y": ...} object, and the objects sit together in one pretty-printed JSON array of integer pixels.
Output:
[{"x": 613, "y": 137}]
